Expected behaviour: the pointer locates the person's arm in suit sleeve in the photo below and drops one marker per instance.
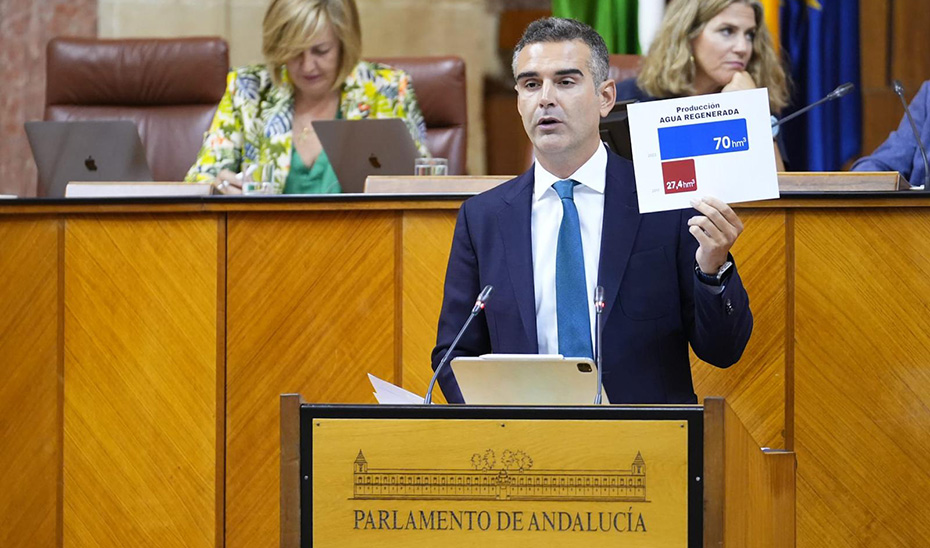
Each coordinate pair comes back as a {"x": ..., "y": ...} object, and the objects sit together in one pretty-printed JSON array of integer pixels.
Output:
[
  {"x": 461, "y": 288},
  {"x": 718, "y": 318},
  {"x": 898, "y": 151}
]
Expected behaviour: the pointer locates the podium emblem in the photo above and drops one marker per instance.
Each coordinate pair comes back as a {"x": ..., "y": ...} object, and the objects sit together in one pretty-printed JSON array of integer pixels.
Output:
[{"x": 510, "y": 478}]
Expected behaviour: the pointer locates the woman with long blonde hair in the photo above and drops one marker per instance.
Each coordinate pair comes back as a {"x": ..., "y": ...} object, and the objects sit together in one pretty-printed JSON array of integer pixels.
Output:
[{"x": 708, "y": 46}]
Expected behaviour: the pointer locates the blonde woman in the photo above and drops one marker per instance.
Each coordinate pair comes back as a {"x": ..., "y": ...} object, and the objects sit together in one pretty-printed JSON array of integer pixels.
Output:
[
  {"x": 312, "y": 71},
  {"x": 709, "y": 46}
]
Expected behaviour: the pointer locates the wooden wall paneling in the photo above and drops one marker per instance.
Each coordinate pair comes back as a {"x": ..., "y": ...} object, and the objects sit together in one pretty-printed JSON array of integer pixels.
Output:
[
  {"x": 427, "y": 240},
  {"x": 755, "y": 386},
  {"x": 910, "y": 42},
  {"x": 881, "y": 113},
  {"x": 881, "y": 108},
  {"x": 140, "y": 380},
  {"x": 893, "y": 42},
  {"x": 310, "y": 310},
  {"x": 874, "y": 38},
  {"x": 509, "y": 150},
  {"x": 30, "y": 418},
  {"x": 862, "y": 398}
]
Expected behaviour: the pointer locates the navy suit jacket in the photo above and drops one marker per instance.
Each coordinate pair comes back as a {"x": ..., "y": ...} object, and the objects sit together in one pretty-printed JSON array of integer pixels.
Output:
[{"x": 655, "y": 305}]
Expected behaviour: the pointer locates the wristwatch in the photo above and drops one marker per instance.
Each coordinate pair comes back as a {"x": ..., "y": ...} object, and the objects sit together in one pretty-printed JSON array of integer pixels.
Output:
[{"x": 714, "y": 279}]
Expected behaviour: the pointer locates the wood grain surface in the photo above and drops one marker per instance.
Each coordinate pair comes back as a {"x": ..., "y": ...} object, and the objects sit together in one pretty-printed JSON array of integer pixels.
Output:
[
  {"x": 140, "y": 381},
  {"x": 427, "y": 238},
  {"x": 310, "y": 310},
  {"x": 749, "y": 495},
  {"x": 576, "y": 477},
  {"x": 30, "y": 407},
  {"x": 862, "y": 378},
  {"x": 318, "y": 296},
  {"x": 755, "y": 386}
]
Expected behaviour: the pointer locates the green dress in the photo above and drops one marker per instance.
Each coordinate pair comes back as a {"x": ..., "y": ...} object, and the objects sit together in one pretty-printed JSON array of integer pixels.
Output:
[{"x": 316, "y": 179}]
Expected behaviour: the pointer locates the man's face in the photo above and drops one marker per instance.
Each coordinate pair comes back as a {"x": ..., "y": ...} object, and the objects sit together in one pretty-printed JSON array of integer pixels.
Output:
[{"x": 556, "y": 98}]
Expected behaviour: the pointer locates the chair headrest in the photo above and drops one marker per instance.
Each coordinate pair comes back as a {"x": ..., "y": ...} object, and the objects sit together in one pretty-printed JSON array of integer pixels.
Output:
[{"x": 144, "y": 72}]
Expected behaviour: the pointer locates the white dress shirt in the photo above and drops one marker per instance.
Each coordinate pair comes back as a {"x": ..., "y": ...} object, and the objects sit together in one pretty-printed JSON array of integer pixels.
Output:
[{"x": 545, "y": 221}]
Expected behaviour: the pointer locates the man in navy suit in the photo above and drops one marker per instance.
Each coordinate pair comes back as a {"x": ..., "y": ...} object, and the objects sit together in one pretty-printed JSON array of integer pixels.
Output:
[{"x": 571, "y": 223}]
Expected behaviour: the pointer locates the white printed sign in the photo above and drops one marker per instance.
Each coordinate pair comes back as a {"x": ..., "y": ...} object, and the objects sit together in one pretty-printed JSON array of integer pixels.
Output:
[{"x": 708, "y": 145}]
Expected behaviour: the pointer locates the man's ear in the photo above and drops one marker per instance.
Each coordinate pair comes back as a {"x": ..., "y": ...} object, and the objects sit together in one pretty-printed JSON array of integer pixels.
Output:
[{"x": 607, "y": 93}]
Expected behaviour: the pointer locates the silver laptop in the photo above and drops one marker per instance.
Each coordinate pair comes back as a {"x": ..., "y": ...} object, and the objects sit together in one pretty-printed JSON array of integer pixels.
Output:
[
  {"x": 86, "y": 151},
  {"x": 526, "y": 379},
  {"x": 359, "y": 148}
]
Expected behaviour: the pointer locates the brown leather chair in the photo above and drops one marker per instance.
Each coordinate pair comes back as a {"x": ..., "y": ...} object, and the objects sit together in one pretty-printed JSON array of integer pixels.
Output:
[
  {"x": 623, "y": 66},
  {"x": 169, "y": 88},
  {"x": 439, "y": 83}
]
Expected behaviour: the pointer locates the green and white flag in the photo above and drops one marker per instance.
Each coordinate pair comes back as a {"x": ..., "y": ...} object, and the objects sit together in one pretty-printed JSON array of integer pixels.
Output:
[
  {"x": 628, "y": 26},
  {"x": 649, "y": 18}
]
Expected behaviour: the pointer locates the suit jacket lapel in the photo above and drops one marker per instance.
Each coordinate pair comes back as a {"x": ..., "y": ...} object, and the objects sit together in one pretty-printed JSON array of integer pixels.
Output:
[
  {"x": 514, "y": 220},
  {"x": 621, "y": 222}
]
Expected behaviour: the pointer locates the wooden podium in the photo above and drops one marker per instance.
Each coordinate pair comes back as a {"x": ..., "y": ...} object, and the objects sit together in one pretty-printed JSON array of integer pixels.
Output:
[{"x": 650, "y": 476}]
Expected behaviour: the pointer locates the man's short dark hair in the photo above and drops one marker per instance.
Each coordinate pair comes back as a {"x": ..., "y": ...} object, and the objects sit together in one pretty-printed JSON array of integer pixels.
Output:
[{"x": 556, "y": 29}]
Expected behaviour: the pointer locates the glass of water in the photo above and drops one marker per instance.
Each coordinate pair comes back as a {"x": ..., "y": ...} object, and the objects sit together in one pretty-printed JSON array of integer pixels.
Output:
[{"x": 431, "y": 167}]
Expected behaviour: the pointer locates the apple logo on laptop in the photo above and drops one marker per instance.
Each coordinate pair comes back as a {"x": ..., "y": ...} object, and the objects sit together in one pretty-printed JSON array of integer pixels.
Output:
[
  {"x": 90, "y": 164},
  {"x": 373, "y": 160}
]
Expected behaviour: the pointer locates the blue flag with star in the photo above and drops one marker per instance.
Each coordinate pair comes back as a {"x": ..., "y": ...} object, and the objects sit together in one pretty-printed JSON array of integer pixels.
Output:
[{"x": 821, "y": 42}]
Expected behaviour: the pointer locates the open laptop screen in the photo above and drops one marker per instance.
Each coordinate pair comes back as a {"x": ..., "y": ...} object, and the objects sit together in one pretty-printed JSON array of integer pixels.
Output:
[
  {"x": 359, "y": 148},
  {"x": 86, "y": 151}
]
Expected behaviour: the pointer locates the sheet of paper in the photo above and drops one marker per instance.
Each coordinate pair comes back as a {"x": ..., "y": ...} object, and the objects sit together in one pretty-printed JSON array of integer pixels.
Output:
[
  {"x": 387, "y": 393},
  {"x": 708, "y": 145}
]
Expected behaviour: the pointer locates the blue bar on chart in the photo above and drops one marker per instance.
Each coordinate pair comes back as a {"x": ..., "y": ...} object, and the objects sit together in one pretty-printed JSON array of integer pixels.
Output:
[{"x": 703, "y": 139}]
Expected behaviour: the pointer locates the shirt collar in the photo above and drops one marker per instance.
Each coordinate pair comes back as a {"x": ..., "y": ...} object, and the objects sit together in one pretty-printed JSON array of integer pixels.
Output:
[{"x": 592, "y": 174}]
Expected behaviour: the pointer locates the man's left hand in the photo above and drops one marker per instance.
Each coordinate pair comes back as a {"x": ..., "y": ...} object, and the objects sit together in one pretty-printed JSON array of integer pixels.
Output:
[{"x": 716, "y": 232}]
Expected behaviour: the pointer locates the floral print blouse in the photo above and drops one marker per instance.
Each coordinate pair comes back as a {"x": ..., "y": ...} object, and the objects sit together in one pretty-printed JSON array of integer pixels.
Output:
[{"x": 253, "y": 121}]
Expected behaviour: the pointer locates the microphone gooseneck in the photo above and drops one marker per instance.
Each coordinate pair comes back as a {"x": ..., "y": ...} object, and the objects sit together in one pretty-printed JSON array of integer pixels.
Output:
[
  {"x": 479, "y": 306},
  {"x": 899, "y": 90},
  {"x": 840, "y": 91},
  {"x": 599, "y": 305}
]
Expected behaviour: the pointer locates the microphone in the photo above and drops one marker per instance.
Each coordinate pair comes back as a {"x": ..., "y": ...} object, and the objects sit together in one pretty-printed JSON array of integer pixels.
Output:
[
  {"x": 899, "y": 89},
  {"x": 479, "y": 306},
  {"x": 840, "y": 91},
  {"x": 599, "y": 326}
]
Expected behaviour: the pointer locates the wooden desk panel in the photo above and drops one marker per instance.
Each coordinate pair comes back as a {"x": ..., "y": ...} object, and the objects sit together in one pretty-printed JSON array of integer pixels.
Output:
[
  {"x": 30, "y": 406},
  {"x": 863, "y": 377},
  {"x": 310, "y": 309},
  {"x": 427, "y": 238},
  {"x": 316, "y": 293},
  {"x": 140, "y": 381}
]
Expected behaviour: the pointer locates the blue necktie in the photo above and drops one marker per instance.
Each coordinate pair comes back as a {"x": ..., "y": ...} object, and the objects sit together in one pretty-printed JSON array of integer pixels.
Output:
[{"x": 571, "y": 293}]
